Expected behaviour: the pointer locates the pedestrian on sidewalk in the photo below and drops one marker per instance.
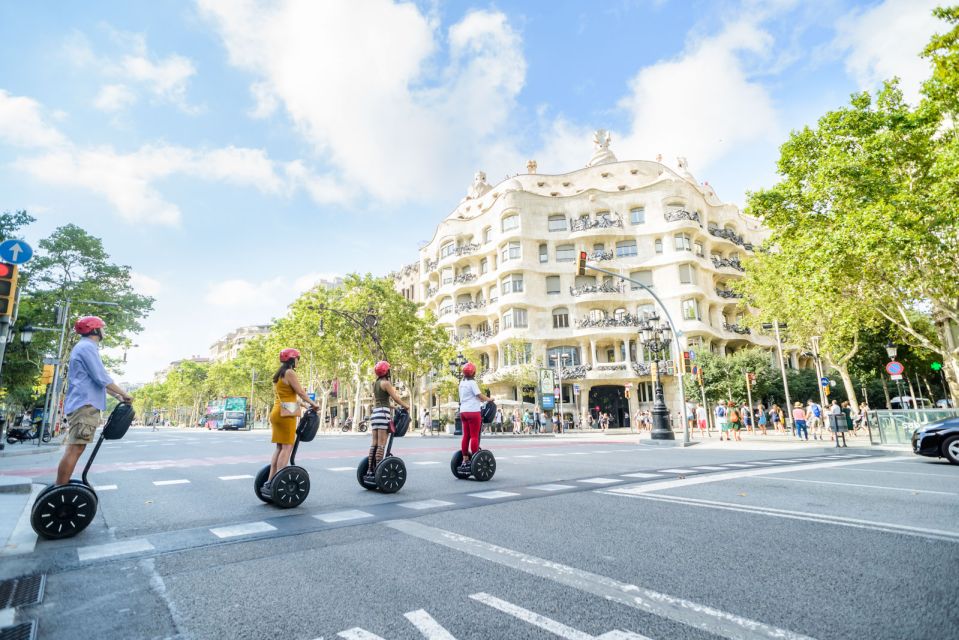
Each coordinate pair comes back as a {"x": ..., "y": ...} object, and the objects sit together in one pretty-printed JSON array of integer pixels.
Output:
[
  {"x": 799, "y": 419},
  {"x": 722, "y": 421},
  {"x": 701, "y": 420},
  {"x": 814, "y": 419},
  {"x": 777, "y": 418},
  {"x": 427, "y": 422},
  {"x": 735, "y": 421},
  {"x": 87, "y": 386},
  {"x": 498, "y": 420},
  {"x": 761, "y": 417}
]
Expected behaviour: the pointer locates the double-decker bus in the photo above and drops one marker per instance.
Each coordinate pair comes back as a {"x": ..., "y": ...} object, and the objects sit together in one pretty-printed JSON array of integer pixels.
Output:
[{"x": 227, "y": 413}]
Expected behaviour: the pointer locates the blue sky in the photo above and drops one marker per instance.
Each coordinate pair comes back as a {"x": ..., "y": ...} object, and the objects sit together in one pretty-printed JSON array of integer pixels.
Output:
[{"x": 233, "y": 152}]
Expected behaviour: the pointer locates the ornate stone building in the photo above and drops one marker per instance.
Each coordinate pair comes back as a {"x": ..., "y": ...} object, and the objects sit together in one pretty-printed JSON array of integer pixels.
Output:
[{"x": 500, "y": 273}]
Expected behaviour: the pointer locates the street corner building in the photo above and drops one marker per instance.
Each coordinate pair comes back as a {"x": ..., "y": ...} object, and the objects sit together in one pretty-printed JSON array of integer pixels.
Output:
[{"x": 500, "y": 275}]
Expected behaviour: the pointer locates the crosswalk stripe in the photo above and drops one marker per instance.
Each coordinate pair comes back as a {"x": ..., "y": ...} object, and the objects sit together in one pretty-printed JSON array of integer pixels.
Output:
[
  {"x": 707, "y": 468},
  {"x": 110, "y": 549},
  {"x": 493, "y": 495},
  {"x": 105, "y": 487},
  {"x": 244, "y": 529},
  {"x": 552, "y": 487},
  {"x": 425, "y": 504},
  {"x": 163, "y": 483},
  {"x": 341, "y": 468},
  {"x": 242, "y": 477},
  {"x": 426, "y": 462},
  {"x": 341, "y": 516},
  {"x": 677, "y": 471},
  {"x": 357, "y": 634},
  {"x": 427, "y": 625},
  {"x": 641, "y": 475},
  {"x": 599, "y": 480}
]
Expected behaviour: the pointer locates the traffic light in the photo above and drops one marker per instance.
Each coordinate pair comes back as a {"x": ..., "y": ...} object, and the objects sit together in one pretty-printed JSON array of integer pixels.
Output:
[
  {"x": 8, "y": 288},
  {"x": 687, "y": 362},
  {"x": 47, "y": 376},
  {"x": 751, "y": 378},
  {"x": 581, "y": 270}
]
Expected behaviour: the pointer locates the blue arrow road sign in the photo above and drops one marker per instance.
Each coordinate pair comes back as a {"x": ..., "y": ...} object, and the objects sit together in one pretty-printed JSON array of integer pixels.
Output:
[
  {"x": 824, "y": 381},
  {"x": 15, "y": 251}
]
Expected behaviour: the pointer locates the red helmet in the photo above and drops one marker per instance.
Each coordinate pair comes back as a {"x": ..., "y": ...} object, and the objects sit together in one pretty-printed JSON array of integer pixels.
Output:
[
  {"x": 289, "y": 354},
  {"x": 381, "y": 368},
  {"x": 87, "y": 324},
  {"x": 469, "y": 369}
]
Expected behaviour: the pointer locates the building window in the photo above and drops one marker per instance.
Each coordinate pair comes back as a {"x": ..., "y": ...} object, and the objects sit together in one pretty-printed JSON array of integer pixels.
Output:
[
  {"x": 597, "y": 315},
  {"x": 683, "y": 242},
  {"x": 514, "y": 318},
  {"x": 446, "y": 306},
  {"x": 585, "y": 281},
  {"x": 512, "y": 283},
  {"x": 637, "y": 215},
  {"x": 700, "y": 250},
  {"x": 565, "y": 253},
  {"x": 484, "y": 266},
  {"x": 510, "y": 251},
  {"x": 447, "y": 276},
  {"x": 644, "y": 276},
  {"x": 625, "y": 248},
  {"x": 552, "y": 285},
  {"x": 599, "y": 246},
  {"x": 493, "y": 295},
  {"x": 690, "y": 309},
  {"x": 557, "y": 223},
  {"x": 659, "y": 245},
  {"x": 544, "y": 253},
  {"x": 560, "y": 318},
  {"x": 447, "y": 249},
  {"x": 566, "y": 356},
  {"x": 645, "y": 310},
  {"x": 510, "y": 223},
  {"x": 487, "y": 234},
  {"x": 687, "y": 274},
  {"x": 518, "y": 354}
]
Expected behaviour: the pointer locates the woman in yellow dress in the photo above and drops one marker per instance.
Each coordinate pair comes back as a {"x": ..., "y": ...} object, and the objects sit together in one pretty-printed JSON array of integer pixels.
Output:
[{"x": 286, "y": 408}]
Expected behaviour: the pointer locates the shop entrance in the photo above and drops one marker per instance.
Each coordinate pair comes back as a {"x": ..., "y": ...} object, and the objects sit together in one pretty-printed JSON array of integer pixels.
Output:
[{"x": 611, "y": 399}]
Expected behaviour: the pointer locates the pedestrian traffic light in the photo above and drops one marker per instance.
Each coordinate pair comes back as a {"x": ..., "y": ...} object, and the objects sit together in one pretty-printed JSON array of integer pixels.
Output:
[
  {"x": 582, "y": 264},
  {"x": 687, "y": 362},
  {"x": 936, "y": 366},
  {"x": 46, "y": 377},
  {"x": 751, "y": 378},
  {"x": 8, "y": 288}
]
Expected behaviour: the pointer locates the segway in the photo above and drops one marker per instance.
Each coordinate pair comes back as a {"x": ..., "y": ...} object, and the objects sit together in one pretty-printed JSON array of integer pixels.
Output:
[
  {"x": 291, "y": 484},
  {"x": 482, "y": 462},
  {"x": 390, "y": 473},
  {"x": 63, "y": 511}
]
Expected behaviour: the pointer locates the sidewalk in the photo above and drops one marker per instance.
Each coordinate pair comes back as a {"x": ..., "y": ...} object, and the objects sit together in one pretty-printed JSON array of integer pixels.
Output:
[{"x": 30, "y": 448}]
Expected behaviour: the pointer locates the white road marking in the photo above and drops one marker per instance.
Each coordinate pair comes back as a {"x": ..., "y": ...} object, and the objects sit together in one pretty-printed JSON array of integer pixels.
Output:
[
  {"x": 341, "y": 468},
  {"x": 105, "y": 487},
  {"x": 163, "y": 483},
  {"x": 425, "y": 504},
  {"x": 241, "y": 477},
  {"x": 600, "y": 480},
  {"x": 872, "y": 486},
  {"x": 554, "y": 455},
  {"x": 493, "y": 495},
  {"x": 548, "y": 624},
  {"x": 905, "y": 473},
  {"x": 426, "y": 462},
  {"x": 430, "y": 628},
  {"x": 699, "y": 616},
  {"x": 641, "y": 475},
  {"x": 552, "y": 487},
  {"x": 95, "y": 552},
  {"x": 244, "y": 529},
  {"x": 710, "y": 468},
  {"x": 791, "y": 460},
  {"x": 884, "y": 527},
  {"x": 358, "y": 634},
  {"x": 762, "y": 463},
  {"x": 579, "y": 453},
  {"x": 340, "y": 516},
  {"x": 7, "y": 616},
  {"x": 677, "y": 470},
  {"x": 525, "y": 456},
  {"x": 741, "y": 466}
]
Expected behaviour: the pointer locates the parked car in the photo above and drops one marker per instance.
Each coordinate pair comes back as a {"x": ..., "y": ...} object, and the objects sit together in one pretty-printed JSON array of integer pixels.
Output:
[{"x": 938, "y": 440}]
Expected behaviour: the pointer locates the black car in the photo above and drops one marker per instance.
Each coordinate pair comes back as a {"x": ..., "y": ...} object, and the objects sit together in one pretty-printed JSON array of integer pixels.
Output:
[{"x": 938, "y": 440}]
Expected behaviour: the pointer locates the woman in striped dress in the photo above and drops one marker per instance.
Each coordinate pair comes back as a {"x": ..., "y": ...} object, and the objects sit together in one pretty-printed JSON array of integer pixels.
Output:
[{"x": 380, "y": 419}]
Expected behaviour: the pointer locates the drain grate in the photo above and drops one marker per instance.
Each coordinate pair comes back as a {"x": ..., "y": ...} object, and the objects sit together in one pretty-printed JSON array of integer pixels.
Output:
[
  {"x": 22, "y": 631},
  {"x": 22, "y": 591}
]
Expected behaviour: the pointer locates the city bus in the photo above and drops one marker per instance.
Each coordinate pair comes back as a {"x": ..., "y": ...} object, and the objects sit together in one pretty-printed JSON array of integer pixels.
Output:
[{"x": 226, "y": 413}]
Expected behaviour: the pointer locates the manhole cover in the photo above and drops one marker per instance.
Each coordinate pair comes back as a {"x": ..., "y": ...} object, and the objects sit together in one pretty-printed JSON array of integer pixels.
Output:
[
  {"x": 22, "y": 631},
  {"x": 23, "y": 591}
]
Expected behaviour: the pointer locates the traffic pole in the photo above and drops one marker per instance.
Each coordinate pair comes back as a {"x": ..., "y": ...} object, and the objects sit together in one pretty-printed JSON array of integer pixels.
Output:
[{"x": 749, "y": 399}]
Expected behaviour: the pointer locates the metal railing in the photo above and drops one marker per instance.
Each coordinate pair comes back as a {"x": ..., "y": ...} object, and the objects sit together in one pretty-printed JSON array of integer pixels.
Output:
[
  {"x": 602, "y": 222},
  {"x": 681, "y": 214},
  {"x": 896, "y": 426},
  {"x": 602, "y": 287}
]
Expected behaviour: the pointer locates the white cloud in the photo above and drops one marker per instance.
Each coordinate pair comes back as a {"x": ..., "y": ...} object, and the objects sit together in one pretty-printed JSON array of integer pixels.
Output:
[
  {"x": 114, "y": 97},
  {"x": 885, "y": 41},
  {"x": 22, "y": 123},
  {"x": 354, "y": 79},
  {"x": 265, "y": 102},
  {"x": 262, "y": 300},
  {"x": 144, "y": 284}
]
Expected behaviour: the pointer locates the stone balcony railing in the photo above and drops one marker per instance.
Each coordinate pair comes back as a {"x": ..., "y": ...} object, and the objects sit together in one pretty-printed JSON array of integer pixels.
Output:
[
  {"x": 600, "y": 255},
  {"x": 681, "y": 214},
  {"x": 726, "y": 293},
  {"x": 626, "y": 320},
  {"x": 603, "y": 222},
  {"x": 463, "y": 307},
  {"x": 735, "y": 328},
  {"x": 728, "y": 262},
  {"x": 463, "y": 278},
  {"x": 602, "y": 287}
]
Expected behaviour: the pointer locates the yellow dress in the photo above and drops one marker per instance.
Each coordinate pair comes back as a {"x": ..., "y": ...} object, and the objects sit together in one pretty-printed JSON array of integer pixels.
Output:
[{"x": 284, "y": 427}]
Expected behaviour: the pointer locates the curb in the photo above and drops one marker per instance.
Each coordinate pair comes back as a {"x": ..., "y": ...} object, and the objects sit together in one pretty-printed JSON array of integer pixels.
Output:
[
  {"x": 29, "y": 451},
  {"x": 14, "y": 484}
]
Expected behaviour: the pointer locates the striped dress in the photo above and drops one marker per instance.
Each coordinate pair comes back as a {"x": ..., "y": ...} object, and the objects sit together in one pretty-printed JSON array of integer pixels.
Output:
[{"x": 380, "y": 418}]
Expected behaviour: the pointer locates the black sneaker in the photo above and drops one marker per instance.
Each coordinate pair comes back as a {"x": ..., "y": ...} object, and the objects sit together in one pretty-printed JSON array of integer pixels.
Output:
[
  {"x": 369, "y": 478},
  {"x": 267, "y": 489},
  {"x": 466, "y": 468}
]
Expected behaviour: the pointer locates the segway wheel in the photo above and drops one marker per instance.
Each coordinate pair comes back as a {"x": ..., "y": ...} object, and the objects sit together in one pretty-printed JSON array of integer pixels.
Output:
[
  {"x": 64, "y": 511},
  {"x": 361, "y": 475},
  {"x": 391, "y": 475},
  {"x": 483, "y": 465},
  {"x": 455, "y": 463},
  {"x": 258, "y": 483},
  {"x": 290, "y": 486}
]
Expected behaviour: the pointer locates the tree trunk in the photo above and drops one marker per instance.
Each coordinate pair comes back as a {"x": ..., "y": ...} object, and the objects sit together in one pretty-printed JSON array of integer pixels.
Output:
[
  {"x": 848, "y": 386},
  {"x": 885, "y": 392}
]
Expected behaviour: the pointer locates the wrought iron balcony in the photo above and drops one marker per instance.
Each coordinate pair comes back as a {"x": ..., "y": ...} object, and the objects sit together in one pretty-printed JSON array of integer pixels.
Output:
[
  {"x": 626, "y": 320},
  {"x": 479, "y": 337},
  {"x": 463, "y": 278},
  {"x": 600, "y": 255},
  {"x": 462, "y": 307},
  {"x": 431, "y": 265},
  {"x": 726, "y": 293},
  {"x": 603, "y": 287},
  {"x": 735, "y": 328},
  {"x": 576, "y": 371},
  {"x": 466, "y": 249},
  {"x": 602, "y": 222},
  {"x": 430, "y": 292},
  {"x": 728, "y": 262},
  {"x": 730, "y": 235},
  {"x": 682, "y": 214}
]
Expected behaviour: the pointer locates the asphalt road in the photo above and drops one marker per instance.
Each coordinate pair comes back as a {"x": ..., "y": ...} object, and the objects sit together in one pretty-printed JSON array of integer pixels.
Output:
[{"x": 572, "y": 538}]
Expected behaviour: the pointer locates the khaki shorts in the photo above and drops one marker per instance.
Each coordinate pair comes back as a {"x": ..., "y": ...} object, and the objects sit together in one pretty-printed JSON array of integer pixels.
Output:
[{"x": 83, "y": 425}]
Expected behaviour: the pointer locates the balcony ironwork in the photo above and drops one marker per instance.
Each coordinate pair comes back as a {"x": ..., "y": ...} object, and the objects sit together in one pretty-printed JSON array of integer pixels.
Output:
[
  {"x": 431, "y": 291},
  {"x": 732, "y": 236},
  {"x": 726, "y": 293},
  {"x": 602, "y": 222},
  {"x": 602, "y": 287},
  {"x": 576, "y": 371},
  {"x": 735, "y": 328},
  {"x": 600, "y": 255},
  {"x": 681, "y": 214},
  {"x": 463, "y": 307},
  {"x": 463, "y": 278},
  {"x": 626, "y": 320},
  {"x": 431, "y": 265},
  {"x": 479, "y": 337},
  {"x": 727, "y": 262},
  {"x": 466, "y": 249}
]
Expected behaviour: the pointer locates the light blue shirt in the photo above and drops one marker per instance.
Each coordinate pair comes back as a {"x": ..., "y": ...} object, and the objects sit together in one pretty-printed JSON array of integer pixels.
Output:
[{"x": 87, "y": 379}]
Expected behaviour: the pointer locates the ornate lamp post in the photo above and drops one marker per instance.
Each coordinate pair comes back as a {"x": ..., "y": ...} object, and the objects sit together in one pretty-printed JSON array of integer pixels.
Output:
[
  {"x": 456, "y": 369},
  {"x": 656, "y": 339}
]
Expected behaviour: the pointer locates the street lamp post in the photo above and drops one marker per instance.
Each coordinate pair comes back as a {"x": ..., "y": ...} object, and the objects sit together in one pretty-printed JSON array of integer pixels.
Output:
[
  {"x": 456, "y": 369},
  {"x": 559, "y": 375},
  {"x": 782, "y": 367},
  {"x": 891, "y": 351},
  {"x": 819, "y": 371},
  {"x": 656, "y": 339}
]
